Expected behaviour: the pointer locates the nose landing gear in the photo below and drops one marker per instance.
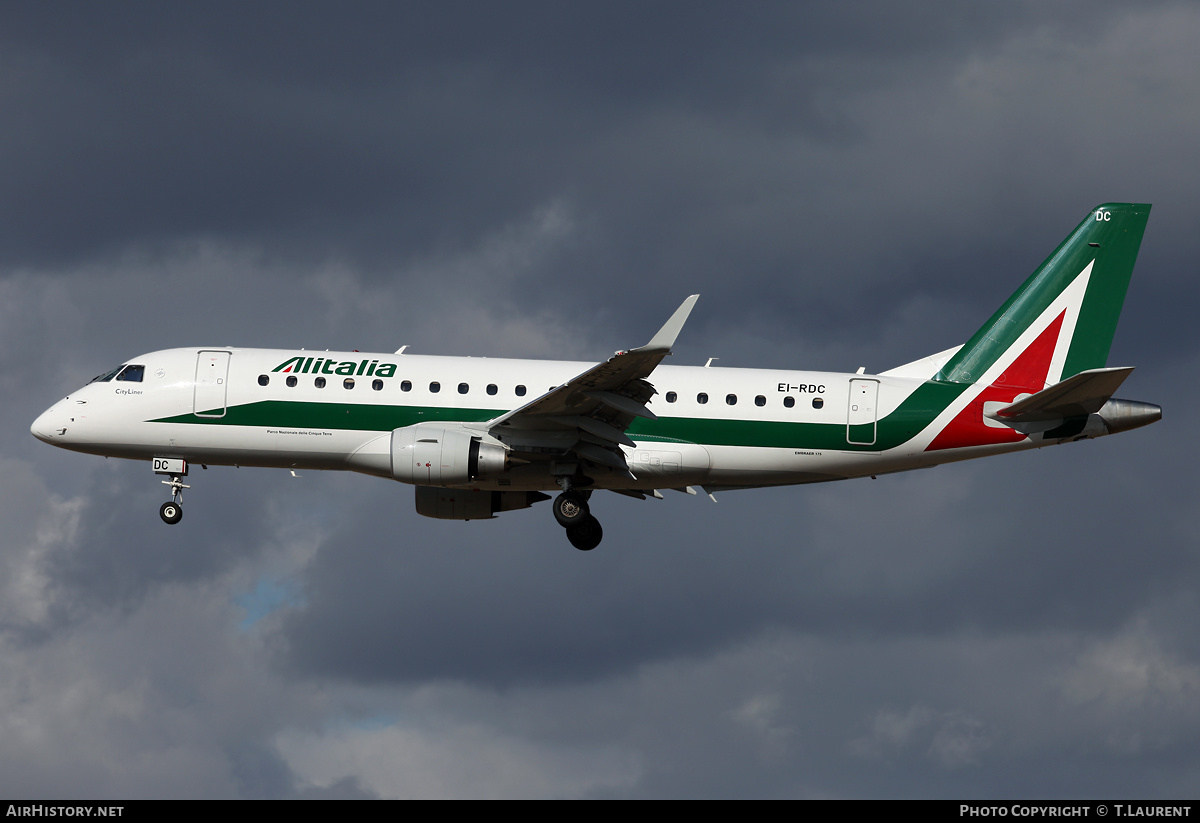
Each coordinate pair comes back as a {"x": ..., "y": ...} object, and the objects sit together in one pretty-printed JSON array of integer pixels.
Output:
[{"x": 172, "y": 511}]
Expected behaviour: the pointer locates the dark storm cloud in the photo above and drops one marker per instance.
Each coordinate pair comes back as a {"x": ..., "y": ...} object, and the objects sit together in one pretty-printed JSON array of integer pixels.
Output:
[
  {"x": 845, "y": 184},
  {"x": 700, "y": 142}
]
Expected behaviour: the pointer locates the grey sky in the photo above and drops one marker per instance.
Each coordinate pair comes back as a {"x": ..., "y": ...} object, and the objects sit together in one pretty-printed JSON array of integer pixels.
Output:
[{"x": 844, "y": 184}]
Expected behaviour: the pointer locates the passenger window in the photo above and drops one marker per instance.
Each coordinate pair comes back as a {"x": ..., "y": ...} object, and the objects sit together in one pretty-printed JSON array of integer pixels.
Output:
[
  {"x": 672, "y": 397},
  {"x": 348, "y": 383},
  {"x": 760, "y": 400},
  {"x": 731, "y": 399},
  {"x": 319, "y": 382},
  {"x": 789, "y": 401},
  {"x": 463, "y": 388},
  {"x": 435, "y": 387},
  {"x": 818, "y": 402},
  {"x": 520, "y": 391},
  {"x": 702, "y": 398},
  {"x": 405, "y": 385},
  {"x": 492, "y": 388},
  {"x": 132, "y": 374},
  {"x": 291, "y": 381},
  {"x": 262, "y": 380},
  {"x": 377, "y": 385}
]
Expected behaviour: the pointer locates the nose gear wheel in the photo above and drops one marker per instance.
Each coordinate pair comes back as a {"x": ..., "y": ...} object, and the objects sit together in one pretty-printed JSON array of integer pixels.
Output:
[{"x": 171, "y": 512}]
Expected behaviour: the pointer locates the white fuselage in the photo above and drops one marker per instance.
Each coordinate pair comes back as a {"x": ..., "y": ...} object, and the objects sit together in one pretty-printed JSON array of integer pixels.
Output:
[{"x": 718, "y": 427}]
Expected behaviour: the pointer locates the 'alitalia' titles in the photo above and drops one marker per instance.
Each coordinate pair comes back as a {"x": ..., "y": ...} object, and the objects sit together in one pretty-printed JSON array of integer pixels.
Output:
[{"x": 326, "y": 365}]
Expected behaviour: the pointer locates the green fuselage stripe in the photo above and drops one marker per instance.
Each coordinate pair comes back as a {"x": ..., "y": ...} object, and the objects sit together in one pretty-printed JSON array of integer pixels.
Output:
[
  {"x": 298, "y": 414},
  {"x": 913, "y": 415}
]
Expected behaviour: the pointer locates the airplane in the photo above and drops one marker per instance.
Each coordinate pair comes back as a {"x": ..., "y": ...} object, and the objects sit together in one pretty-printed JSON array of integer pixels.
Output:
[{"x": 479, "y": 436}]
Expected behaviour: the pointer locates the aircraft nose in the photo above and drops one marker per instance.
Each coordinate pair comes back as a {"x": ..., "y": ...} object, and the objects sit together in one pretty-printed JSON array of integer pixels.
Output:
[{"x": 43, "y": 427}]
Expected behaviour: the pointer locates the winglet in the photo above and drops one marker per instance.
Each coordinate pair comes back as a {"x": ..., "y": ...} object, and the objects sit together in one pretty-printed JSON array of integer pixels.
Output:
[{"x": 665, "y": 339}]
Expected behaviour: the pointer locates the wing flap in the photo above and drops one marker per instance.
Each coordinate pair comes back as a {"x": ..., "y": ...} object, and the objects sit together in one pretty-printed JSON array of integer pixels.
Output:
[
  {"x": 606, "y": 432},
  {"x": 601, "y": 455},
  {"x": 623, "y": 403}
]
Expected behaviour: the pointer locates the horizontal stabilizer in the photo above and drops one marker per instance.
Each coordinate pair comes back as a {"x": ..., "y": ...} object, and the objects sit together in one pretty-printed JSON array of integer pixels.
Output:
[{"x": 1085, "y": 393}]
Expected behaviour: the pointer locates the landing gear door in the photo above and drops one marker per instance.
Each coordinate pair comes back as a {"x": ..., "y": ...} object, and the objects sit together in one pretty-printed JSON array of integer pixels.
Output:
[
  {"x": 861, "y": 413},
  {"x": 212, "y": 376}
]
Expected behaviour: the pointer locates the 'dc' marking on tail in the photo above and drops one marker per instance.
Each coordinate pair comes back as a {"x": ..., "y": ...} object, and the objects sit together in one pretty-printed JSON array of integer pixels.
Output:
[{"x": 1103, "y": 249}]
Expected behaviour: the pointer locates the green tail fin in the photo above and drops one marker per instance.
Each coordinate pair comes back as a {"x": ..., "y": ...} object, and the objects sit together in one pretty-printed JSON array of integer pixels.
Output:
[{"x": 1083, "y": 282}]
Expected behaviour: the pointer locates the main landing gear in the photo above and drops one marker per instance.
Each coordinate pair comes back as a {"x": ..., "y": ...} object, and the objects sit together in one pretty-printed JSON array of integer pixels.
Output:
[
  {"x": 172, "y": 511},
  {"x": 572, "y": 513}
]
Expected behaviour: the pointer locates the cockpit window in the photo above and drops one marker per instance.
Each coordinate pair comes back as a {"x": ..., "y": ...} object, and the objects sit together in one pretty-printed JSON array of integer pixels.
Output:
[
  {"x": 104, "y": 378},
  {"x": 132, "y": 374}
]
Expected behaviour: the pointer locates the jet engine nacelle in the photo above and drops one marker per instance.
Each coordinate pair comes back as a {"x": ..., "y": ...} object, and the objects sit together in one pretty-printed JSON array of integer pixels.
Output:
[
  {"x": 445, "y": 454},
  {"x": 471, "y": 504}
]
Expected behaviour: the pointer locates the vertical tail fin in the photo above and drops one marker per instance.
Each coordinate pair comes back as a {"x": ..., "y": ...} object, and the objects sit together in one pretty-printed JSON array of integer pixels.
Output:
[{"x": 1061, "y": 321}]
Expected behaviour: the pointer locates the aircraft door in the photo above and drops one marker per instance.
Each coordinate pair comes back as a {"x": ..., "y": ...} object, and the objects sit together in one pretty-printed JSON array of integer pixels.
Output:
[
  {"x": 212, "y": 377},
  {"x": 861, "y": 412}
]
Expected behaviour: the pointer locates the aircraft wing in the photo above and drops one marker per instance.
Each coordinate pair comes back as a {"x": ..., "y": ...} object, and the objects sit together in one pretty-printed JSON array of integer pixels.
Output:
[
  {"x": 588, "y": 415},
  {"x": 1084, "y": 393}
]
